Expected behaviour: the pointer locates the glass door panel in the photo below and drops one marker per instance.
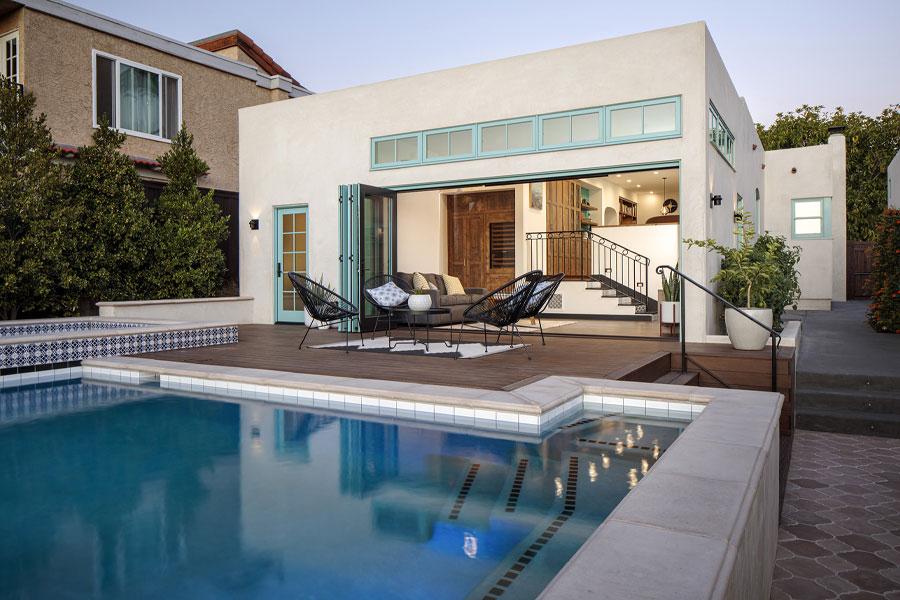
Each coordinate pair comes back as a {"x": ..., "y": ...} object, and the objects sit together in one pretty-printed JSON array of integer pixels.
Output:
[
  {"x": 290, "y": 256},
  {"x": 368, "y": 241}
]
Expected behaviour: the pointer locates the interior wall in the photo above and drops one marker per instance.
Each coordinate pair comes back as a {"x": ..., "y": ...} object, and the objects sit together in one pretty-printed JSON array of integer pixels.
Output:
[{"x": 422, "y": 232}]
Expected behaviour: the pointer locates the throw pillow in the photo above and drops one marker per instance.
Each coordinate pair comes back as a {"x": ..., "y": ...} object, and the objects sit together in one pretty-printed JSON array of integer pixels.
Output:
[
  {"x": 388, "y": 295},
  {"x": 453, "y": 285},
  {"x": 537, "y": 296},
  {"x": 420, "y": 283}
]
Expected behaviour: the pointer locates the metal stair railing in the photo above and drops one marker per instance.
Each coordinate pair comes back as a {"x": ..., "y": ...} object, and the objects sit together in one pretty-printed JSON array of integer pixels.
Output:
[
  {"x": 587, "y": 256},
  {"x": 776, "y": 337}
]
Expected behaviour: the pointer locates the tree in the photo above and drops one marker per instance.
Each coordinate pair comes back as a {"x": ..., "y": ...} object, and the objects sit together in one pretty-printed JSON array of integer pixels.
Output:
[
  {"x": 113, "y": 221},
  {"x": 188, "y": 261},
  {"x": 871, "y": 144},
  {"x": 34, "y": 242},
  {"x": 884, "y": 311}
]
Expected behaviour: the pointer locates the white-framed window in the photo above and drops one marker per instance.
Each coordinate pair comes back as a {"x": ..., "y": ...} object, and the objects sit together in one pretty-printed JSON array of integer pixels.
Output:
[
  {"x": 9, "y": 53},
  {"x": 137, "y": 99},
  {"x": 810, "y": 218}
]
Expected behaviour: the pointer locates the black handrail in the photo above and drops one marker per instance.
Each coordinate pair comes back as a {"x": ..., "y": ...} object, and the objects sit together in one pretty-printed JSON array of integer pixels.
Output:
[
  {"x": 585, "y": 255},
  {"x": 776, "y": 337}
]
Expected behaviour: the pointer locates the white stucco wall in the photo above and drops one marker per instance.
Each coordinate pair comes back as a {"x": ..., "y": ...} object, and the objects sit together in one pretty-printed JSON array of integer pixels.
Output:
[
  {"x": 893, "y": 182},
  {"x": 299, "y": 151},
  {"x": 744, "y": 177},
  {"x": 820, "y": 172}
]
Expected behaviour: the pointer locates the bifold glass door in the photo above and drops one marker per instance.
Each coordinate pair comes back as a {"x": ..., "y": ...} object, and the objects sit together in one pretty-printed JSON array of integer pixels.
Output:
[
  {"x": 368, "y": 241},
  {"x": 291, "y": 226}
]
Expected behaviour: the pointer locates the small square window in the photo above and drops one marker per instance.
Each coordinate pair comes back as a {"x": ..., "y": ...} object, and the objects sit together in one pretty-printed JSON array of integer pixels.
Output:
[
  {"x": 461, "y": 142},
  {"x": 625, "y": 122},
  {"x": 493, "y": 138},
  {"x": 659, "y": 118},
  {"x": 586, "y": 127},
  {"x": 811, "y": 218},
  {"x": 437, "y": 145},
  {"x": 556, "y": 131},
  {"x": 520, "y": 135},
  {"x": 385, "y": 152}
]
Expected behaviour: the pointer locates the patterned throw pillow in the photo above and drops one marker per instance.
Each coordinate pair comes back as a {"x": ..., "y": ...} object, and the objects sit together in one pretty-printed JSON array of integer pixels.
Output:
[
  {"x": 420, "y": 283},
  {"x": 453, "y": 285},
  {"x": 388, "y": 295},
  {"x": 536, "y": 295}
]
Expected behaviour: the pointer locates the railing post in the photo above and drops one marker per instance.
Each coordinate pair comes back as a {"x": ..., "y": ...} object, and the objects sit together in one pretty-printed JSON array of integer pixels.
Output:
[
  {"x": 681, "y": 329},
  {"x": 774, "y": 365}
]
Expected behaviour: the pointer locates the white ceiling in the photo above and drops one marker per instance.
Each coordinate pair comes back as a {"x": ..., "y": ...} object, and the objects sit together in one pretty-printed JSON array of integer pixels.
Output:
[{"x": 643, "y": 181}]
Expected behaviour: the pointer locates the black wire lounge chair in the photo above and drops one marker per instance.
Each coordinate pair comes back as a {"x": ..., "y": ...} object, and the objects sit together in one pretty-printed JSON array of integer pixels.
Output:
[
  {"x": 540, "y": 298},
  {"x": 383, "y": 311},
  {"x": 502, "y": 308},
  {"x": 325, "y": 306}
]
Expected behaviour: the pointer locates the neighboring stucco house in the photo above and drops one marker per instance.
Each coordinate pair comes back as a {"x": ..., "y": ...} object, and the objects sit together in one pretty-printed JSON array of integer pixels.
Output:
[
  {"x": 893, "y": 182},
  {"x": 484, "y": 171},
  {"x": 82, "y": 66}
]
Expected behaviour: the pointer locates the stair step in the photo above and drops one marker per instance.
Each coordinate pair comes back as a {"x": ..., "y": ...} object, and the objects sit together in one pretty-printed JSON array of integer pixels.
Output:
[
  {"x": 859, "y": 400},
  {"x": 849, "y": 421},
  {"x": 679, "y": 378}
]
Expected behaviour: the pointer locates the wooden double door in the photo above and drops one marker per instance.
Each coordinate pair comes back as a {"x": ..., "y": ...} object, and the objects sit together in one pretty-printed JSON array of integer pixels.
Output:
[{"x": 481, "y": 237}]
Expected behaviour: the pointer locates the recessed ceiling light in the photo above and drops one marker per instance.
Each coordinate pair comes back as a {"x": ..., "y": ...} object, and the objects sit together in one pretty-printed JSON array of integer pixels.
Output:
[
  {"x": 656, "y": 172},
  {"x": 628, "y": 180},
  {"x": 618, "y": 175},
  {"x": 639, "y": 185}
]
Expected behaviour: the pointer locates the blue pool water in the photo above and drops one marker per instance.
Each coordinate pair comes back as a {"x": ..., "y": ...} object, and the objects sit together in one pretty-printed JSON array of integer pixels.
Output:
[{"x": 114, "y": 492}]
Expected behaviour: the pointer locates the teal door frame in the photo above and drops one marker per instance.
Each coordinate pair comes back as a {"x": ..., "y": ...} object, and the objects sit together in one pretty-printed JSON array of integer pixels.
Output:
[
  {"x": 286, "y": 314},
  {"x": 352, "y": 257}
]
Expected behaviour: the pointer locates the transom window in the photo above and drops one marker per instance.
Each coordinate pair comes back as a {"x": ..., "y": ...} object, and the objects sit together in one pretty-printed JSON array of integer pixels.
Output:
[
  {"x": 720, "y": 136},
  {"x": 506, "y": 136},
  {"x": 135, "y": 98},
  {"x": 9, "y": 53},
  {"x": 614, "y": 124},
  {"x": 811, "y": 218},
  {"x": 450, "y": 143},
  {"x": 572, "y": 128},
  {"x": 402, "y": 149}
]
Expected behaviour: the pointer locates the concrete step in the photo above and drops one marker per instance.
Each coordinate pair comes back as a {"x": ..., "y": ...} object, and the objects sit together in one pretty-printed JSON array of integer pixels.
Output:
[
  {"x": 849, "y": 382},
  {"x": 858, "y": 400},
  {"x": 849, "y": 421},
  {"x": 679, "y": 378}
]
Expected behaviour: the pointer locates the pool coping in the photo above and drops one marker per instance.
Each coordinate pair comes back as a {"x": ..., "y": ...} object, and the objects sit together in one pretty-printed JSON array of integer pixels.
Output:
[
  {"x": 703, "y": 522},
  {"x": 533, "y": 408}
]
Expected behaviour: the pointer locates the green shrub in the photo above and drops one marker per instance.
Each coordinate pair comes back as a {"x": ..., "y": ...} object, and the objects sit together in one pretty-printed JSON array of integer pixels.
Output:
[
  {"x": 762, "y": 274},
  {"x": 884, "y": 311}
]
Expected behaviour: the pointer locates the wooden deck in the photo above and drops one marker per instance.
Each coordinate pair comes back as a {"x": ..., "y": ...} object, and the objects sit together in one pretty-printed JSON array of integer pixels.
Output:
[{"x": 275, "y": 347}]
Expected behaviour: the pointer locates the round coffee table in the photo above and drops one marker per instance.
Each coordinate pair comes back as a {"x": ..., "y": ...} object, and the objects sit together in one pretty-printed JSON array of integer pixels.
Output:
[{"x": 423, "y": 317}]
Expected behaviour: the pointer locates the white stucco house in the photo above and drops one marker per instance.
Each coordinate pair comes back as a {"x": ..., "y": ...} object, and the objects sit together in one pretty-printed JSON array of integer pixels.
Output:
[{"x": 595, "y": 160}]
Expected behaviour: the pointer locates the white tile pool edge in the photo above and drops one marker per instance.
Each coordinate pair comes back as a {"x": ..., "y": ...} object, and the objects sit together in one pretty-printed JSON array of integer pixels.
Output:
[{"x": 532, "y": 409}]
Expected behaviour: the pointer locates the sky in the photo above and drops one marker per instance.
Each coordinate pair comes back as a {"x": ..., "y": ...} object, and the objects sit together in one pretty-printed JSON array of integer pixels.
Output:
[{"x": 780, "y": 54}]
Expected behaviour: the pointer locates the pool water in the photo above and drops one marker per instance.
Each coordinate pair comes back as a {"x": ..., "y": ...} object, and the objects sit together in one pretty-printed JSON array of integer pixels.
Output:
[{"x": 108, "y": 492}]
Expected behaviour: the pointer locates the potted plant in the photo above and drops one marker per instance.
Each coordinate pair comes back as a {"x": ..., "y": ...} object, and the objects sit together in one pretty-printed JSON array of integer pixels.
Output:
[
  {"x": 670, "y": 307},
  {"x": 419, "y": 300},
  {"x": 753, "y": 274}
]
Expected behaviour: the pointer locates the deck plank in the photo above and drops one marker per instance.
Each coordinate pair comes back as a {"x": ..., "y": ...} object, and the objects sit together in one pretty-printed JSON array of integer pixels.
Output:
[{"x": 275, "y": 347}]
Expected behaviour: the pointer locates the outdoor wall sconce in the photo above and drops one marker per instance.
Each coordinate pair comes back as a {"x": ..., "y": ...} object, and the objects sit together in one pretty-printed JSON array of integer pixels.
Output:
[
  {"x": 793, "y": 170},
  {"x": 715, "y": 200},
  {"x": 254, "y": 224}
]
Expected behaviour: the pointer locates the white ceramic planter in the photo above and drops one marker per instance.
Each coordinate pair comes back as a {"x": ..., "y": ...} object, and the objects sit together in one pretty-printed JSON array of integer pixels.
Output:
[
  {"x": 669, "y": 312},
  {"x": 419, "y": 302},
  {"x": 744, "y": 333}
]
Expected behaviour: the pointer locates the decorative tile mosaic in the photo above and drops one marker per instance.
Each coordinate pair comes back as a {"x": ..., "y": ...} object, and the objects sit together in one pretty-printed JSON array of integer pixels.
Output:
[
  {"x": 54, "y": 351},
  {"x": 50, "y": 327}
]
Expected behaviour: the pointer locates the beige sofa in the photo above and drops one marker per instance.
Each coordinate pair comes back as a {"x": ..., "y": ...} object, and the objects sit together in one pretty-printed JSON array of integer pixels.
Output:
[{"x": 457, "y": 303}]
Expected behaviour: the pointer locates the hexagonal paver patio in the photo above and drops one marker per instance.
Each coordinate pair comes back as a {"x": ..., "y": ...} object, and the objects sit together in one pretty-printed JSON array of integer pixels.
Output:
[{"x": 840, "y": 529}]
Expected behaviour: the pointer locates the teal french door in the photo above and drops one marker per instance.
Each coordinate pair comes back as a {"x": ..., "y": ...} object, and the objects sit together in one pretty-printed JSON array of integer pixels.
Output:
[
  {"x": 291, "y": 232},
  {"x": 368, "y": 240}
]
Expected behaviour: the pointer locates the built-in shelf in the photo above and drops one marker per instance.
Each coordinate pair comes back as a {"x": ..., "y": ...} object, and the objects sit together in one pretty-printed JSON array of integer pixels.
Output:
[
  {"x": 590, "y": 223},
  {"x": 588, "y": 207},
  {"x": 627, "y": 211}
]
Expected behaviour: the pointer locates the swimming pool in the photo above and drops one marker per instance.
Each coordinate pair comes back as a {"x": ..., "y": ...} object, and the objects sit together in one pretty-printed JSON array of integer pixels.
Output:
[{"x": 124, "y": 491}]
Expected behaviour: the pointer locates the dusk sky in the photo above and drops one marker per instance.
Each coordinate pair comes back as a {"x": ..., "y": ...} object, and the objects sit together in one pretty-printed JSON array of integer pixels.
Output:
[{"x": 780, "y": 54}]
